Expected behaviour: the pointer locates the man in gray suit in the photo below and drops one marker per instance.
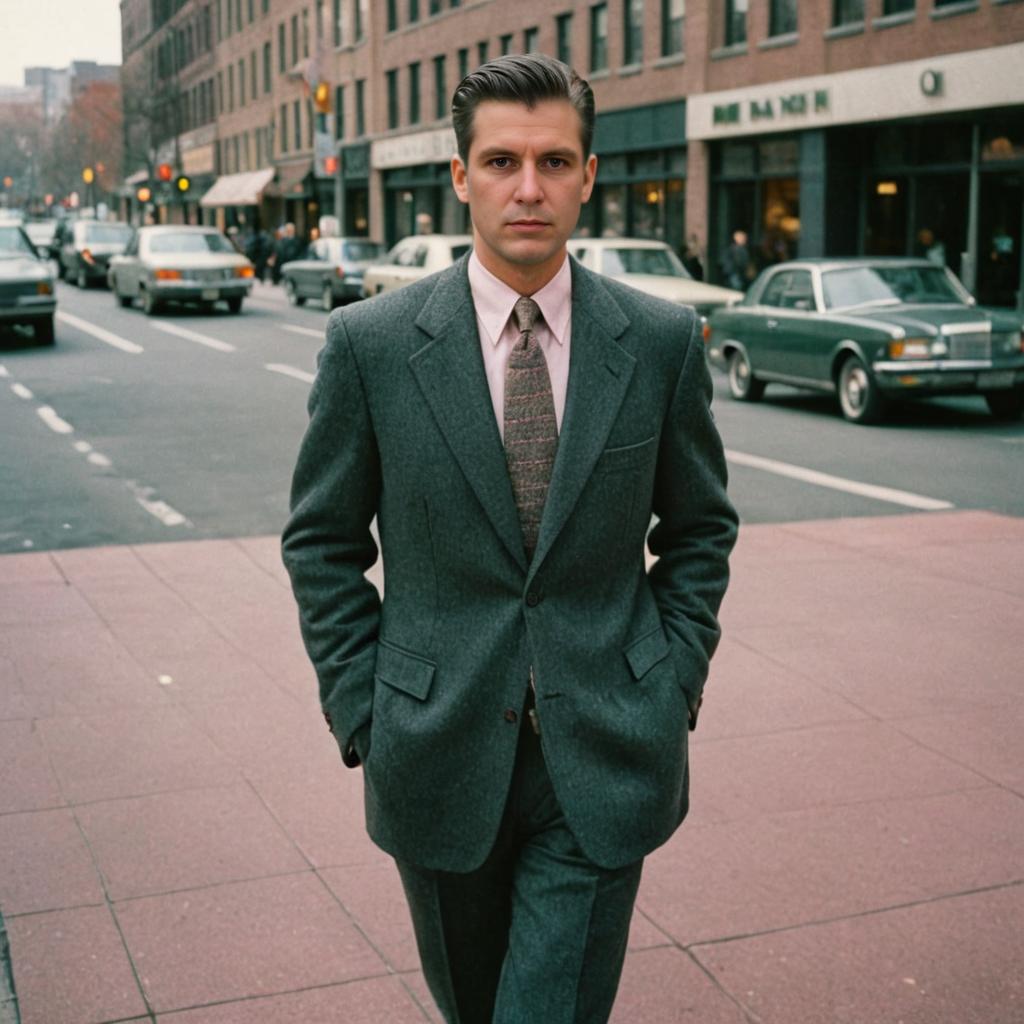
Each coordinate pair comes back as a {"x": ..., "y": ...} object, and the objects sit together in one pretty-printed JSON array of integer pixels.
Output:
[{"x": 520, "y": 699}]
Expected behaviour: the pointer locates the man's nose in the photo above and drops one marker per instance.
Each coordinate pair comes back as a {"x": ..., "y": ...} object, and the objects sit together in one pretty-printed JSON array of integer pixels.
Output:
[{"x": 528, "y": 188}]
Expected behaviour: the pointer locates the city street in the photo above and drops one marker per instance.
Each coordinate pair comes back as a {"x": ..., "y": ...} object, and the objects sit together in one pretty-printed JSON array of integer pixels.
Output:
[{"x": 185, "y": 426}]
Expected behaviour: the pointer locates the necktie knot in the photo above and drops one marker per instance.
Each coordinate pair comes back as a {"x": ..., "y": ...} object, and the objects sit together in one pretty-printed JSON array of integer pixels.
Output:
[{"x": 526, "y": 312}]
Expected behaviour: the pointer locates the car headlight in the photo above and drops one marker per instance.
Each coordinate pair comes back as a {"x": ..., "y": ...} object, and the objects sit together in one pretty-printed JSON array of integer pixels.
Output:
[
  {"x": 167, "y": 275},
  {"x": 44, "y": 288},
  {"x": 912, "y": 348},
  {"x": 244, "y": 272}
]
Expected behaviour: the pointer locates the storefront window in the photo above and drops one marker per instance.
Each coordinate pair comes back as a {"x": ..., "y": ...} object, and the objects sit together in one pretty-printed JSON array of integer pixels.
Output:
[
  {"x": 613, "y": 211},
  {"x": 779, "y": 156},
  {"x": 1002, "y": 143},
  {"x": 1000, "y": 236},
  {"x": 738, "y": 159},
  {"x": 887, "y": 217},
  {"x": 648, "y": 201}
]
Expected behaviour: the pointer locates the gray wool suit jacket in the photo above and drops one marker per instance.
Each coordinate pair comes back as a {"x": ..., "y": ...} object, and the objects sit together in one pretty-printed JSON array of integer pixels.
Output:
[{"x": 425, "y": 682}]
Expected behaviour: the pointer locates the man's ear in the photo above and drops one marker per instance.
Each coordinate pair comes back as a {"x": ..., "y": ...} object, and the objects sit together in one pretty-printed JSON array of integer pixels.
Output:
[
  {"x": 459, "y": 179},
  {"x": 589, "y": 175}
]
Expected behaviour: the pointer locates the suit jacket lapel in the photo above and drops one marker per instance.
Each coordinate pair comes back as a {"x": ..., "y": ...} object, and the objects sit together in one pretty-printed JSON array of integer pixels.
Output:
[
  {"x": 599, "y": 374},
  {"x": 450, "y": 373}
]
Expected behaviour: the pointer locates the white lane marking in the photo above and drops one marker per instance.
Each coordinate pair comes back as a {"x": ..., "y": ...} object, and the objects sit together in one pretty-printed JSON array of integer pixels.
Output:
[
  {"x": 100, "y": 333},
  {"x": 22, "y": 392},
  {"x": 53, "y": 421},
  {"x": 83, "y": 446},
  {"x": 3, "y": 372},
  {"x": 167, "y": 515},
  {"x": 295, "y": 329},
  {"x": 199, "y": 339},
  {"x": 98, "y": 459},
  {"x": 837, "y": 483},
  {"x": 290, "y": 371}
]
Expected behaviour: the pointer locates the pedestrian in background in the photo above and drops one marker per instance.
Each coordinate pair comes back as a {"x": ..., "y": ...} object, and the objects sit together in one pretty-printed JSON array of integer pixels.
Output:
[
  {"x": 521, "y": 699},
  {"x": 737, "y": 266}
]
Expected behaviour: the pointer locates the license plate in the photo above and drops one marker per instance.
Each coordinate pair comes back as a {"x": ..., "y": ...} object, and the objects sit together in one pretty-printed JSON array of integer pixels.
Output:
[
  {"x": 994, "y": 379},
  {"x": 209, "y": 294}
]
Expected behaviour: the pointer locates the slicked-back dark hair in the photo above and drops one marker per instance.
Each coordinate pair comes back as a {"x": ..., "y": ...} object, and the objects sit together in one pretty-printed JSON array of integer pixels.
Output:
[{"x": 527, "y": 78}]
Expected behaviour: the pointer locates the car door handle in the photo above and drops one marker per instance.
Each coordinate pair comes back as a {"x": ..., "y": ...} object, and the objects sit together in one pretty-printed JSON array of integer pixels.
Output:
[{"x": 771, "y": 324}]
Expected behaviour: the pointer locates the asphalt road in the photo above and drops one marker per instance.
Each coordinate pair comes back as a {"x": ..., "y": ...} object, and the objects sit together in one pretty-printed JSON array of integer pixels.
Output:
[{"x": 136, "y": 429}]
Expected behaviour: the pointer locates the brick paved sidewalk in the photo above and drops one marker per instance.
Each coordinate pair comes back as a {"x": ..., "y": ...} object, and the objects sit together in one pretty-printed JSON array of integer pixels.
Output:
[{"x": 179, "y": 842}]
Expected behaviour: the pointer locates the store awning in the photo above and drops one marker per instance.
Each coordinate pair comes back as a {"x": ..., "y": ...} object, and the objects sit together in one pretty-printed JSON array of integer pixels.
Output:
[
  {"x": 245, "y": 189},
  {"x": 291, "y": 180}
]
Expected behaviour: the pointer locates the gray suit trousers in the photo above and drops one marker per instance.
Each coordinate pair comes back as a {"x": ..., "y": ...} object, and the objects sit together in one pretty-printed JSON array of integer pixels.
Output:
[{"x": 537, "y": 934}]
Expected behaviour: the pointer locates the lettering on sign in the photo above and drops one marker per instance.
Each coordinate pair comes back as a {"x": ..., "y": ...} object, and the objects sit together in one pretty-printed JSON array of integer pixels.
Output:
[{"x": 797, "y": 104}]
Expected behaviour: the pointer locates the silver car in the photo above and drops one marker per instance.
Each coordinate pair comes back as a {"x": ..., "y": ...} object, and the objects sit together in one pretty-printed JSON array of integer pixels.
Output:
[
  {"x": 180, "y": 263},
  {"x": 332, "y": 271},
  {"x": 26, "y": 284}
]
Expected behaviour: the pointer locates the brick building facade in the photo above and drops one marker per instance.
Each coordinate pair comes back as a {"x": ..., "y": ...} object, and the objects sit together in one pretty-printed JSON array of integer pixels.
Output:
[{"x": 823, "y": 127}]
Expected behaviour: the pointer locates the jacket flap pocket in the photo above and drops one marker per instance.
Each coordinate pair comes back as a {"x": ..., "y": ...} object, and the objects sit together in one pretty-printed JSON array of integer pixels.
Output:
[
  {"x": 645, "y": 653},
  {"x": 406, "y": 672}
]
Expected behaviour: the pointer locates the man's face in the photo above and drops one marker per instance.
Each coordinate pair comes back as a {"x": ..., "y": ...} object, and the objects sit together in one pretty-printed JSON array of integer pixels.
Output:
[{"x": 524, "y": 180}]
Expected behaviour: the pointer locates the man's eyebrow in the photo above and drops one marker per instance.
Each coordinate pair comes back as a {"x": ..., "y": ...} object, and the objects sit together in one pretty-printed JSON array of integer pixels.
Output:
[{"x": 494, "y": 151}]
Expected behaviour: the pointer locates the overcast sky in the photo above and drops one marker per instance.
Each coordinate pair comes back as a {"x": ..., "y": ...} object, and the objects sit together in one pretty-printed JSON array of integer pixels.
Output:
[{"x": 53, "y": 33}]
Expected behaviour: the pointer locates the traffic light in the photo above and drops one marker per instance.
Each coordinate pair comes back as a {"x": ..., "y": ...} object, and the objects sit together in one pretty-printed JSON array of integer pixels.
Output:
[
  {"x": 88, "y": 175},
  {"x": 182, "y": 184},
  {"x": 322, "y": 98},
  {"x": 164, "y": 172},
  {"x": 144, "y": 194}
]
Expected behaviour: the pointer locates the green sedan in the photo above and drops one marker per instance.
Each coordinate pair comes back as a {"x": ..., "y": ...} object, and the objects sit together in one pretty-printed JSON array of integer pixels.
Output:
[{"x": 869, "y": 330}]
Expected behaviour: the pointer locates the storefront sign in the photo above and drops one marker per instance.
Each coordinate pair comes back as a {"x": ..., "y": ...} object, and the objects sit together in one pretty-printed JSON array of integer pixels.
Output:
[
  {"x": 791, "y": 105},
  {"x": 436, "y": 147}
]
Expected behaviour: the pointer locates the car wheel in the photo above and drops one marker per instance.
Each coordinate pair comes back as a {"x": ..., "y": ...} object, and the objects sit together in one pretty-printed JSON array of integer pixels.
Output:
[
  {"x": 859, "y": 397},
  {"x": 150, "y": 304},
  {"x": 1006, "y": 405},
  {"x": 327, "y": 298},
  {"x": 82, "y": 278},
  {"x": 43, "y": 330},
  {"x": 293, "y": 296},
  {"x": 743, "y": 385},
  {"x": 235, "y": 304}
]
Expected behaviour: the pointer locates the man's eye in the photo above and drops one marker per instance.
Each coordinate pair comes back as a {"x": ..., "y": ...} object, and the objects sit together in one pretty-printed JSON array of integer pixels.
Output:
[
  {"x": 556, "y": 162},
  {"x": 500, "y": 162}
]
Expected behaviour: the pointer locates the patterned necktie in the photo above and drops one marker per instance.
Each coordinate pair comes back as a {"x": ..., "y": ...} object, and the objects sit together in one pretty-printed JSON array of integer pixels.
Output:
[{"x": 531, "y": 431}]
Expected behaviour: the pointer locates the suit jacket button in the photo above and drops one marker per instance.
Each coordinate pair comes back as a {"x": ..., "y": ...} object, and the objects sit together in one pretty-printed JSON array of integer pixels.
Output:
[
  {"x": 533, "y": 599},
  {"x": 511, "y": 717}
]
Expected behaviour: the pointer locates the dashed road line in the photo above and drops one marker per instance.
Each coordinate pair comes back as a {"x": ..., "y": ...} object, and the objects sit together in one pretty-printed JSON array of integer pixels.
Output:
[
  {"x": 296, "y": 329},
  {"x": 199, "y": 339},
  {"x": 100, "y": 333},
  {"x": 3, "y": 372},
  {"x": 47, "y": 414},
  {"x": 837, "y": 483},
  {"x": 22, "y": 392},
  {"x": 290, "y": 371}
]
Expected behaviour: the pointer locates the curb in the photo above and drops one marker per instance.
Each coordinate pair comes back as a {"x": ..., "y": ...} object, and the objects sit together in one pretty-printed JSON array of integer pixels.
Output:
[{"x": 8, "y": 1000}]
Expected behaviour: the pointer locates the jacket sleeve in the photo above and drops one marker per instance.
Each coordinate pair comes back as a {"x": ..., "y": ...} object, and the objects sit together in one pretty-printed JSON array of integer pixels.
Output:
[
  {"x": 696, "y": 527},
  {"x": 327, "y": 546}
]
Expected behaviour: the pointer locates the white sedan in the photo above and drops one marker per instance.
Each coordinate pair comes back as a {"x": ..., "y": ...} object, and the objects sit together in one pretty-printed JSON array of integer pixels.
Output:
[
  {"x": 650, "y": 267},
  {"x": 412, "y": 258}
]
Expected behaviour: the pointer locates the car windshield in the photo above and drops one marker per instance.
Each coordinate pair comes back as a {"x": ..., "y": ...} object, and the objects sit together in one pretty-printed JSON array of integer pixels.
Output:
[
  {"x": 888, "y": 286},
  {"x": 41, "y": 232},
  {"x": 190, "y": 241},
  {"x": 660, "y": 262},
  {"x": 14, "y": 243},
  {"x": 362, "y": 250},
  {"x": 98, "y": 234}
]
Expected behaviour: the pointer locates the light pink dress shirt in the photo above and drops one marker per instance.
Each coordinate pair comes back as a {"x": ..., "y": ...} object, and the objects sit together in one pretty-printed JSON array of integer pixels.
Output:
[{"x": 493, "y": 300}]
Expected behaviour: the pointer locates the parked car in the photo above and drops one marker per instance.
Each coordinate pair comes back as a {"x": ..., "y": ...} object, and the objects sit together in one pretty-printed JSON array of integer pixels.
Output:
[
  {"x": 42, "y": 234},
  {"x": 869, "y": 330},
  {"x": 332, "y": 271},
  {"x": 26, "y": 284},
  {"x": 87, "y": 246},
  {"x": 180, "y": 263},
  {"x": 412, "y": 258},
  {"x": 650, "y": 267}
]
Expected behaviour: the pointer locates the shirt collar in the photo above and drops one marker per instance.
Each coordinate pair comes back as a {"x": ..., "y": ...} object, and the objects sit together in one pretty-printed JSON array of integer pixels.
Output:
[{"x": 494, "y": 300}]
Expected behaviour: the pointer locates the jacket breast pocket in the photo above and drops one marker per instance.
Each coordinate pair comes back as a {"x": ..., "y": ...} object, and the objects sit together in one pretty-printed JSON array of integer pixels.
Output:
[
  {"x": 403, "y": 670},
  {"x": 623, "y": 458}
]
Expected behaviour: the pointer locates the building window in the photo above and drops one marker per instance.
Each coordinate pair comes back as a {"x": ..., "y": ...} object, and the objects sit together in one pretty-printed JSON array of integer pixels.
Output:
[
  {"x": 254, "y": 83},
  {"x": 231, "y": 17},
  {"x": 297, "y": 117},
  {"x": 337, "y": 26},
  {"x": 392, "y": 86},
  {"x": 414, "y": 11},
  {"x": 481, "y": 53},
  {"x": 505, "y": 44},
  {"x": 414, "y": 93},
  {"x": 220, "y": 21},
  {"x": 282, "y": 60},
  {"x": 735, "y": 22},
  {"x": 531, "y": 40},
  {"x": 252, "y": 18},
  {"x": 362, "y": 16},
  {"x": 266, "y": 67},
  {"x": 435, "y": 6},
  {"x": 241, "y": 82},
  {"x": 319, "y": 21},
  {"x": 897, "y": 6},
  {"x": 673, "y": 13},
  {"x": 305, "y": 31},
  {"x": 440, "y": 88},
  {"x": 782, "y": 18},
  {"x": 847, "y": 12},
  {"x": 266, "y": 6},
  {"x": 231, "y": 87},
  {"x": 632, "y": 32},
  {"x": 339, "y": 111},
  {"x": 360, "y": 106},
  {"x": 599, "y": 37},
  {"x": 392, "y": 15},
  {"x": 284, "y": 127},
  {"x": 295, "y": 39},
  {"x": 310, "y": 124},
  {"x": 463, "y": 62},
  {"x": 563, "y": 38}
]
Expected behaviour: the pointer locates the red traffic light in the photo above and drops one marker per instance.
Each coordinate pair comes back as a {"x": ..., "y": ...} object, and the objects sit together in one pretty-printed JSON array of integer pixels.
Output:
[
  {"x": 164, "y": 172},
  {"x": 330, "y": 165}
]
